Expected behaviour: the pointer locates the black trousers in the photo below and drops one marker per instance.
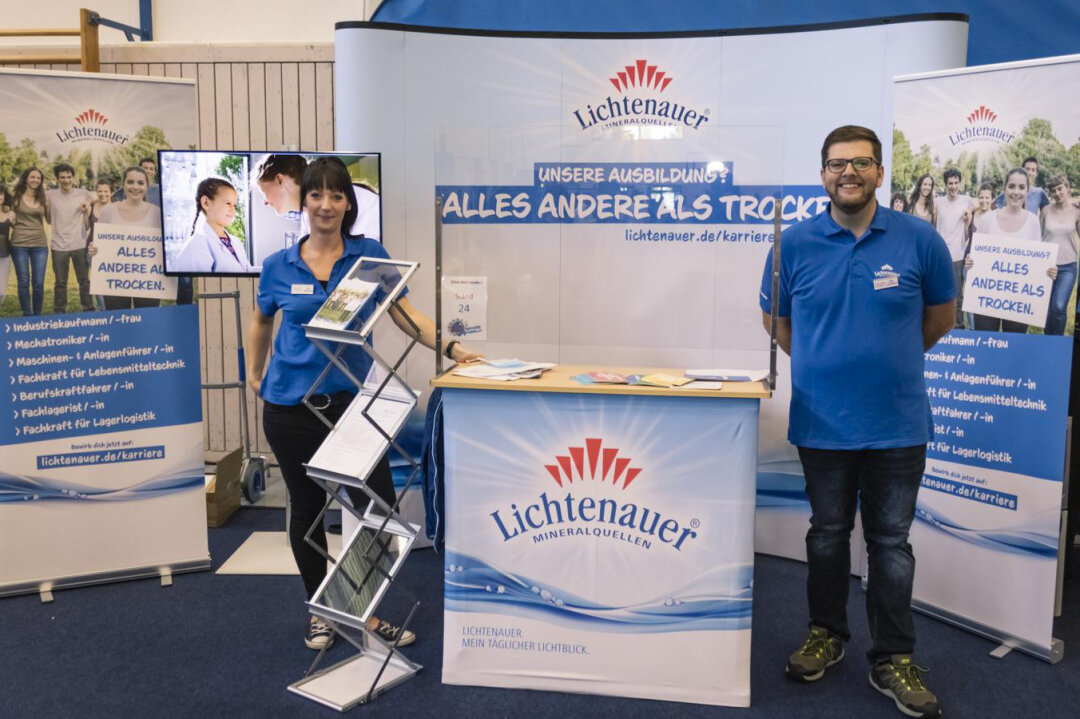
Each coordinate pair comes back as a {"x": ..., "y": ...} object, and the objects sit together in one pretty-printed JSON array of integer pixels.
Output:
[{"x": 294, "y": 434}]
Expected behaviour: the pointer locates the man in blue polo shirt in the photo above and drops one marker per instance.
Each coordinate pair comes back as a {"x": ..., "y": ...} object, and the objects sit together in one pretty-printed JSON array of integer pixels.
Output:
[{"x": 864, "y": 291}]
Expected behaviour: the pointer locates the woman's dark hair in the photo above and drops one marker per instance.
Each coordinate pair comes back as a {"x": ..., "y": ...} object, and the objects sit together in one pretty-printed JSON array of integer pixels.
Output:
[
  {"x": 208, "y": 188},
  {"x": 20, "y": 187},
  {"x": 5, "y": 198},
  {"x": 903, "y": 201},
  {"x": 273, "y": 165},
  {"x": 916, "y": 193},
  {"x": 988, "y": 186},
  {"x": 329, "y": 173}
]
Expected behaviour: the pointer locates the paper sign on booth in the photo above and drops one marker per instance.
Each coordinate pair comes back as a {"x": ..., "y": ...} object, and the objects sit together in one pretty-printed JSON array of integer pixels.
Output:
[
  {"x": 128, "y": 263},
  {"x": 465, "y": 307},
  {"x": 1008, "y": 278}
]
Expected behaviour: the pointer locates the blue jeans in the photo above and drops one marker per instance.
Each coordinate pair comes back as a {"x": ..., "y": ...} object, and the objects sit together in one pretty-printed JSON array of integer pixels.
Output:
[
  {"x": 886, "y": 483},
  {"x": 1060, "y": 293},
  {"x": 30, "y": 276}
]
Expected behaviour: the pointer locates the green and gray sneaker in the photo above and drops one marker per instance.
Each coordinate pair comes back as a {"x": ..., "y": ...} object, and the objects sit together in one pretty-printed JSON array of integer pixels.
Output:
[
  {"x": 820, "y": 651},
  {"x": 899, "y": 679}
]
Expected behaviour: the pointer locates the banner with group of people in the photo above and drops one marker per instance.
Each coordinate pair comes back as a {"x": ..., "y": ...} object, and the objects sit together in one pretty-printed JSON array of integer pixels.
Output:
[
  {"x": 993, "y": 166},
  {"x": 103, "y": 477}
]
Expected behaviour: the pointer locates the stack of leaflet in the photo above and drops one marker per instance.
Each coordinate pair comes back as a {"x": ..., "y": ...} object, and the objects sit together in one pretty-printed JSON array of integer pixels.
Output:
[
  {"x": 657, "y": 379},
  {"x": 503, "y": 369}
]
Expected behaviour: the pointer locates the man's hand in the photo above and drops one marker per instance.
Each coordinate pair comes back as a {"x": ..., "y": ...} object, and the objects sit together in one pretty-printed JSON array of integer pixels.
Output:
[
  {"x": 937, "y": 321},
  {"x": 783, "y": 330}
]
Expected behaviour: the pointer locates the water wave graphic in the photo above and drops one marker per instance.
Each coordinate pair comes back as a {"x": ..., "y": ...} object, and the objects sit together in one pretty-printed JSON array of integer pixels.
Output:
[
  {"x": 719, "y": 599},
  {"x": 16, "y": 488},
  {"x": 1015, "y": 540}
]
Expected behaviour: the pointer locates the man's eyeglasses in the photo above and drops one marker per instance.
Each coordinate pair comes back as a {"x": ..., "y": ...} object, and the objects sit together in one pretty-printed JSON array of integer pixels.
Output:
[{"x": 861, "y": 164}]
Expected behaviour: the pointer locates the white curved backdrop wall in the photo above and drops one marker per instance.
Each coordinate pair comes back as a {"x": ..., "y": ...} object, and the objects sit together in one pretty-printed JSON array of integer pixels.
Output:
[{"x": 404, "y": 93}]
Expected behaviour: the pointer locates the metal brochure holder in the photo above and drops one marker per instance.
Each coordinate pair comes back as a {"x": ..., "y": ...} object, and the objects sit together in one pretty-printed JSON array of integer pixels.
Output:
[{"x": 373, "y": 555}]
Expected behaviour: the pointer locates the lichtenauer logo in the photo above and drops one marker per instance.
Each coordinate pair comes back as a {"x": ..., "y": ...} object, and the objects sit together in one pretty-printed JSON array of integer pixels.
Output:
[
  {"x": 587, "y": 470},
  {"x": 90, "y": 126},
  {"x": 640, "y": 85},
  {"x": 981, "y": 129}
]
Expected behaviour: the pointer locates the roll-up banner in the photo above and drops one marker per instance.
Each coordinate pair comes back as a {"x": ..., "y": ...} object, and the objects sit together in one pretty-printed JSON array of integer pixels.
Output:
[
  {"x": 102, "y": 434},
  {"x": 614, "y": 195},
  {"x": 995, "y": 150}
]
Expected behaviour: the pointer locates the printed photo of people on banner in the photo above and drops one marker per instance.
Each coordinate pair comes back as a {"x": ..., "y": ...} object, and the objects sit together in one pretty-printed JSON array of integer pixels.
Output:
[
  {"x": 990, "y": 157},
  {"x": 80, "y": 200}
]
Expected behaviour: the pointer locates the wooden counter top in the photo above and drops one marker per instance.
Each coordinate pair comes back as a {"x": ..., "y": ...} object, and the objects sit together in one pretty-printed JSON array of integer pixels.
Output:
[{"x": 557, "y": 379}]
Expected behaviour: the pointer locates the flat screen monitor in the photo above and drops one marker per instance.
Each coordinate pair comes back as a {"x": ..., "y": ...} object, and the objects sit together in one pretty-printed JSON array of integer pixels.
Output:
[{"x": 223, "y": 212}]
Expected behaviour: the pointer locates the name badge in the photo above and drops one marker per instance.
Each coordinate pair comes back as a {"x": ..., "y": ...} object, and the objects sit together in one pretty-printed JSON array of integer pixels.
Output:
[
  {"x": 882, "y": 283},
  {"x": 310, "y": 289}
]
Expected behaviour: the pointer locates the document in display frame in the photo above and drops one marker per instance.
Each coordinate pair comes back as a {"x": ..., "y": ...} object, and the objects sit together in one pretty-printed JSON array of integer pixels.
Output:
[{"x": 354, "y": 446}]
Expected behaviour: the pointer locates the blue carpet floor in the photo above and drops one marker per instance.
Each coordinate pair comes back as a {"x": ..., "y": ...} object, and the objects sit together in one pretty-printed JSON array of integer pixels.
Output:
[{"x": 227, "y": 646}]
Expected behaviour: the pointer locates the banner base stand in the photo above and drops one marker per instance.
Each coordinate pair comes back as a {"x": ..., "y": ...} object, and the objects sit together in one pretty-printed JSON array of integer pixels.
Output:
[
  {"x": 353, "y": 681},
  {"x": 45, "y": 588},
  {"x": 1054, "y": 654}
]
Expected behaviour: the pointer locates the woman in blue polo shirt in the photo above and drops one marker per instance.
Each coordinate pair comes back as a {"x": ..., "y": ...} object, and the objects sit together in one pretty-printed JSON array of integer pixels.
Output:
[{"x": 297, "y": 281}]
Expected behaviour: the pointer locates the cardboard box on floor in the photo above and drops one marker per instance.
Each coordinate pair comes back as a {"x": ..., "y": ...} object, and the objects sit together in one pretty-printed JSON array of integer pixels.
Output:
[{"x": 223, "y": 489}]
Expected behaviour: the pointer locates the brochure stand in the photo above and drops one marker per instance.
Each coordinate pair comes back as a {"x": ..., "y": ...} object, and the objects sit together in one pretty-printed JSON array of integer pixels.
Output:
[{"x": 373, "y": 555}]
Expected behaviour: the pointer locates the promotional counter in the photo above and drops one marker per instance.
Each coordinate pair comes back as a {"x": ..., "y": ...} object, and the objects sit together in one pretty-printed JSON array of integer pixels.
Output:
[{"x": 599, "y": 537}]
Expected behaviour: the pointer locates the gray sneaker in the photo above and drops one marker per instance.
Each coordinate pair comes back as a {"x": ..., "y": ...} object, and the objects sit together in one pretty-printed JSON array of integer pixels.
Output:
[
  {"x": 900, "y": 679},
  {"x": 819, "y": 652}
]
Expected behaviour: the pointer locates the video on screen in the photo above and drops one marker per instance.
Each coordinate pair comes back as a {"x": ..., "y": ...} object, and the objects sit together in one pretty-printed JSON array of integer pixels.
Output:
[{"x": 225, "y": 212}]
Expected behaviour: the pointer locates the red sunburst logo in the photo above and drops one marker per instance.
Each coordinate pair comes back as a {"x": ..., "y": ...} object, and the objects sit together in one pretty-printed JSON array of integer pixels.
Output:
[
  {"x": 981, "y": 114},
  {"x": 91, "y": 117},
  {"x": 640, "y": 74},
  {"x": 602, "y": 463}
]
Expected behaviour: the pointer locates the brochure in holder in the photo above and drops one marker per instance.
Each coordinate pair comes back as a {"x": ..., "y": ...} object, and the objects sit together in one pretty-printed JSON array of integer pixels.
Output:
[
  {"x": 370, "y": 279},
  {"x": 356, "y": 444},
  {"x": 364, "y": 572}
]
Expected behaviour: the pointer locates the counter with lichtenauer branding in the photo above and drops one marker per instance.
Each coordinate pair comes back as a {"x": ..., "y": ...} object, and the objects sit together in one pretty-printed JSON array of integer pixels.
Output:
[{"x": 599, "y": 538}]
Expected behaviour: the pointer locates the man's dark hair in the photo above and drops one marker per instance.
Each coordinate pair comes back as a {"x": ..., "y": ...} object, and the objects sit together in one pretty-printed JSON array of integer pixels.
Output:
[
  {"x": 151, "y": 160},
  {"x": 953, "y": 172},
  {"x": 62, "y": 167},
  {"x": 330, "y": 173},
  {"x": 1029, "y": 159},
  {"x": 851, "y": 133}
]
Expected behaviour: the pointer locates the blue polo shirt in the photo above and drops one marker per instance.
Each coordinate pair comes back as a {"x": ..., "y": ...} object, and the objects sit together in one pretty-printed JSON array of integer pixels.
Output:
[
  {"x": 288, "y": 285},
  {"x": 856, "y": 309}
]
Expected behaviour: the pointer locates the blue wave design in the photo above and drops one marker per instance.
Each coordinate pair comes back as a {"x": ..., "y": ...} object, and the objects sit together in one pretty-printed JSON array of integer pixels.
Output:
[
  {"x": 781, "y": 486},
  {"x": 15, "y": 488},
  {"x": 471, "y": 585},
  {"x": 1013, "y": 541}
]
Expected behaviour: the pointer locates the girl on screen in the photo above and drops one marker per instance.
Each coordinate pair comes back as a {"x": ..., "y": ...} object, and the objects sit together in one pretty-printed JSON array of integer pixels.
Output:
[
  {"x": 921, "y": 203},
  {"x": 1013, "y": 220},
  {"x": 29, "y": 244},
  {"x": 136, "y": 211},
  {"x": 279, "y": 179},
  {"x": 296, "y": 282},
  {"x": 212, "y": 249}
]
